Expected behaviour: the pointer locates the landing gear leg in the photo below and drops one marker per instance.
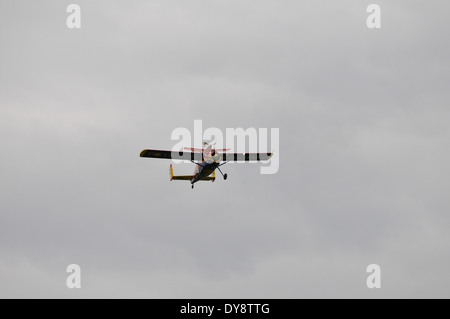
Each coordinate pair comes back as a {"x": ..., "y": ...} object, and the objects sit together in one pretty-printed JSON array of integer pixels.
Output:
[{"x": 224, "y": 175}]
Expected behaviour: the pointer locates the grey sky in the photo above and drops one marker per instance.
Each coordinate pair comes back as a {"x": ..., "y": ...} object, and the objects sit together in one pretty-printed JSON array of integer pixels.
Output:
[{"x": 364, "y": 149}]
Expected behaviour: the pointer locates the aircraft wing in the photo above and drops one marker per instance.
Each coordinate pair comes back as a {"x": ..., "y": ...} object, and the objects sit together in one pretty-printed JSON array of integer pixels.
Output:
[
  {"x": 181, "y": 155},
  {"x": 246, "y": 157}
]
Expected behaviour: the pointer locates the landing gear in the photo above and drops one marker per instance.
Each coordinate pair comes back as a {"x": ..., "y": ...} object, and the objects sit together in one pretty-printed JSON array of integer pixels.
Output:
[{"x": 224, "y": 175}]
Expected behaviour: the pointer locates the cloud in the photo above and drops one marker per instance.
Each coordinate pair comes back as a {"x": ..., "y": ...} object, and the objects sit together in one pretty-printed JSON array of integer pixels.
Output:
[{"x": 363, "y": 134}]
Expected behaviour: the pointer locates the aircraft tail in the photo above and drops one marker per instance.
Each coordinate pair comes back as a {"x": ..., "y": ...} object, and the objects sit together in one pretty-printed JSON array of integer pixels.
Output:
[{"x": 180, "y": 177}]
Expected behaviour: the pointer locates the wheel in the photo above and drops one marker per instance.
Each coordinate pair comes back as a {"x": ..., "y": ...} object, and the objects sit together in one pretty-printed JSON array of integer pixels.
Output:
[
  {"x": 192, "y": 186},
  {"x": 225, "y": 176}
]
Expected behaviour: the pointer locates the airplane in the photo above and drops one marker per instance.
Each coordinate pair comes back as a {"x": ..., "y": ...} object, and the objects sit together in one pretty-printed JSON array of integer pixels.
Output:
[{"x": 207, "y": 160}]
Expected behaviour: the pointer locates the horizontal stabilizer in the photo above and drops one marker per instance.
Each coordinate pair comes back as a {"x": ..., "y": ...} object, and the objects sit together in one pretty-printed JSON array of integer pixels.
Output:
[{"x": 180, "y": 177}]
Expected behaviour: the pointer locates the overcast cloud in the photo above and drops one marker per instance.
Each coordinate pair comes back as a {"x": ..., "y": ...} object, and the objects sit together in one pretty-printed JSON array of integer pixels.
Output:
[{"x": 364, "y": 149}]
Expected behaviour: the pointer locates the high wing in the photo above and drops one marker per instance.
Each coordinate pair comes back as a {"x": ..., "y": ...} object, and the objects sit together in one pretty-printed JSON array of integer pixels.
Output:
[
  {"x": 190, "y": 156},
  {"x": 172, "y": 155},
  {"x": 245, "y": 157}
]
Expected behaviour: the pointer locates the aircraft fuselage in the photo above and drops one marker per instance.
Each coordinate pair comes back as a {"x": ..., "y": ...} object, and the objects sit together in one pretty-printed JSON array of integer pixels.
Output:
[{"x": 204, "y": 170}]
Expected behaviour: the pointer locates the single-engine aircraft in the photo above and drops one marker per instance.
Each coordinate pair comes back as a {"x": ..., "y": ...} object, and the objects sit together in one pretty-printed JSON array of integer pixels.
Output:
[{"x": 207, "y": 160}]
